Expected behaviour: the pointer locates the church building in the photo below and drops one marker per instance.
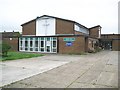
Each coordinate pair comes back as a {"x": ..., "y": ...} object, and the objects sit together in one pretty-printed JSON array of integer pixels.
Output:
[{"x": 49, "y": 34}]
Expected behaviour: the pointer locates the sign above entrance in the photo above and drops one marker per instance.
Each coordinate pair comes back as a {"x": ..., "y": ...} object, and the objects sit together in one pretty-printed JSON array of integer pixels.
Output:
[{"x": 68, "y": 39}]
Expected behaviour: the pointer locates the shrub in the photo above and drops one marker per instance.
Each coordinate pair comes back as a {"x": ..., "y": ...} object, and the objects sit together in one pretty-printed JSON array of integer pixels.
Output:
[{"x": 4, "y": 48}]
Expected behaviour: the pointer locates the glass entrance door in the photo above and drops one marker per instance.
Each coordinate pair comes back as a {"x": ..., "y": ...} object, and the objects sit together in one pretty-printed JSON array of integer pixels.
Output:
[{"x": 48, "y": 44}]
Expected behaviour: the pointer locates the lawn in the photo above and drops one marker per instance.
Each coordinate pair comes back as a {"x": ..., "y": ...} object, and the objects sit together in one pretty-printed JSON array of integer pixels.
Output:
[{"x": 19, "y": 55}]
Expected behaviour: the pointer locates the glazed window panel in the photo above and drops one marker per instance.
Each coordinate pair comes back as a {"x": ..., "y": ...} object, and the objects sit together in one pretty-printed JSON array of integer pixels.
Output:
[
  {"x": 54, "y": 43},
  {"x": 31, "y": 49},
  {"x": 42, "y": 43},
  {"x": 36, "y": 39},
  {"x": 31, "y": 43},
  {"x": 26, "y": 48},
  {"x": 42, "y": 49},
  {"x": 31, "y": 39},
  {"x": 36, "y": 43},
  {"x": 48, "y": 38},
  {"x": 26, "y": 39},
  {"x": 21, "y": 44},
  {"x": 54, "y": 50},
  {"x": 54, "y": 38},
  {"x": 42, "y": 38},
  {"x": 26, "y": 43},
  {"x": 48, "y": 48},
  {"x": 36, "y": 49}
]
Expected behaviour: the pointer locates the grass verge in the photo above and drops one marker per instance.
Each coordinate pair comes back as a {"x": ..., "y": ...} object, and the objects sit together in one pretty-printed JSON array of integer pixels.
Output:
[{"x": 19, "y": 55}]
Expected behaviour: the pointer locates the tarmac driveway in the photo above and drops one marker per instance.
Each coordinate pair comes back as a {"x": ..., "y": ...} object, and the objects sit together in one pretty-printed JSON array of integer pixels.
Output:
[{"x": 98, "y": 70}]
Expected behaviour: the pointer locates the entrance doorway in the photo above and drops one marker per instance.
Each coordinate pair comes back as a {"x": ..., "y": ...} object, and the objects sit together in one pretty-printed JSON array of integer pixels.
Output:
[{"x": 107, "y": 45}]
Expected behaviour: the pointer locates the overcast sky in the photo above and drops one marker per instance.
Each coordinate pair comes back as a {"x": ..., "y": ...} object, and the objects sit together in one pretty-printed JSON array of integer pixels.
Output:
[{"x": 89, "y": 13}]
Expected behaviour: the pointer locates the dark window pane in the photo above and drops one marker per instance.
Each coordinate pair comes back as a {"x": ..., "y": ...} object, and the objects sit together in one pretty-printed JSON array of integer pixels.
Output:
[
  {"x": 42, "y": 49},
  {"x": 54, "y": 39},
  {"x": 36, "y": 43},
  {"x": 31, "y": 43},
  {"x": 36, "y": 49},
  {"x": 31, "y": 49},
  {"x": 42, "y": 38},
  {"x": 26, "y": 39},
  {"x": 26, "y": 43},
  {"x": 26, "y": 49},
  {"x": 36, "y": 39},
  {"x": 42, "y": 43},
  {"x": 54, "y": 50},
  {"x": 48, "y": 39},
  {"x": 54, "y": 43},
  {"x": 31, "y": 39},
  {"x": 48, "y": 48}
]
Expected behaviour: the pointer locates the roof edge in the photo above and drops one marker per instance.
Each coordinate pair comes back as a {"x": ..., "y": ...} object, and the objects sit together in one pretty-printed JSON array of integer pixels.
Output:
[
  {"x": 95, "y": 27},
  {"x": 56, "y": 18}
]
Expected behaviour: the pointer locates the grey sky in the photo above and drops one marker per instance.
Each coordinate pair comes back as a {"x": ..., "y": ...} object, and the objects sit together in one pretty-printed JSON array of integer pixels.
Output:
[{"x": 86, "y": 12}]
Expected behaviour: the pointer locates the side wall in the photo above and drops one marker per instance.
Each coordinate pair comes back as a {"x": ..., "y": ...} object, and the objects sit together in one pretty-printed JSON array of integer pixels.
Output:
[
  {"x": 94, "y": 32},
  {"x": 116, "y": 45},
  {"x": 29, "y": 28},
  {"x": 64, "y": 27},
  {"x": 13, "y": 42},
  {"x": 77, "y": 46}
]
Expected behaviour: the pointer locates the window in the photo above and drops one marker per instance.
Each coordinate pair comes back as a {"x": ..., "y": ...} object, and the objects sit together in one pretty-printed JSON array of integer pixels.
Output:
[
  {"x": 54, "y": 43},
  {"x": 31, "y": 43},
  {"x": 36, "y": 39},
  {"x": 21, "y": 44},
  {"x": 42, "y": 43},
  {"x": 36, "y": 43},
  {"x": 42, "y": 49},
  {"x": 48, "y": 48},
  {"x": 54, "y": 39},
  {"x": 26, "y": 43},
  {"x": 48, "y": 38},
  {"x": 54, "y": 50},
  {"x": 42, "y": 38},
  {"x": 31, "y": 39}
]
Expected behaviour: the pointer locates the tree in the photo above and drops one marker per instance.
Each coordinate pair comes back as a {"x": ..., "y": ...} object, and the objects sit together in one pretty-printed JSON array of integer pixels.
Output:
[{"x": 4, "y": 48}]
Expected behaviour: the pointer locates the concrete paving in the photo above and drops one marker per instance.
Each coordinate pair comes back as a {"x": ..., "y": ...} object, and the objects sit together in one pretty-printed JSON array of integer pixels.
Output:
[
  {"x": 99, "y": 70},
  {"x": 20, "y": 69}
]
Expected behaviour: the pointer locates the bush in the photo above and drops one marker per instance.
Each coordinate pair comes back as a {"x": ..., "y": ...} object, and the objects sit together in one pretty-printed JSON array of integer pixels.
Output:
[{"x": 4, "y": 48}]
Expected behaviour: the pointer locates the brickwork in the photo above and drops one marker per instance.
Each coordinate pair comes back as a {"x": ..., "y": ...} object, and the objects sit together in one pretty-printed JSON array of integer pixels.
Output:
[
  {"x": 13, "y": 42},
  {"x": 78, "y": 45},
  {"x": 64, "y": 27},
  {"x": 29, "y": 28}
]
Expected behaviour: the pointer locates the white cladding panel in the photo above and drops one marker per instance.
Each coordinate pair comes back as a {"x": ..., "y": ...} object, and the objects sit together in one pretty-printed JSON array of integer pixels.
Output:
[
  {"x": 45, "y": 26},
  {"x": 80, "y": 29}
]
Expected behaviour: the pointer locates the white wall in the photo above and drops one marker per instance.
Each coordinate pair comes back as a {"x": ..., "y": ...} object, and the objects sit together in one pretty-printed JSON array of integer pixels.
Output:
[
  {"x": 80, "y": 29},
  {"x": 45, "y": 26}
]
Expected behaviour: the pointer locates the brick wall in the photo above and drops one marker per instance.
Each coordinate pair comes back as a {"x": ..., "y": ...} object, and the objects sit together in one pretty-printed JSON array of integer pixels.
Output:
[
  {"x": 110, "y": 36},
  {"x": 78, "y": 33},
  {"x": 116, "y": 45},
  {"x": 78, "y": 45},
  {"x": 29, "y": 28},
  {"x": 94, "y": 32},
  {"x": 13, "y": 43},
  {"x": 64, "y": 27}
]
